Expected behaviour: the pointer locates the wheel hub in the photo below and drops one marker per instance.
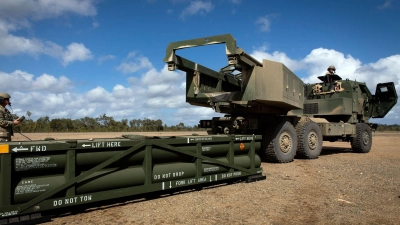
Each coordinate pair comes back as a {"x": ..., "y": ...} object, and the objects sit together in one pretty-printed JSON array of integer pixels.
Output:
[
  {"x": 312, "y": 140},
  {"x": 285, "y": 142},
  {"x": 365, "y": 138}
]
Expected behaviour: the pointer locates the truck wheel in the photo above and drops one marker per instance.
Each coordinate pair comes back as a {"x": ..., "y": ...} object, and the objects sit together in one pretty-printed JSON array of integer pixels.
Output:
[
  {"x": 279, "y": 143},
  {"x": 362, "y": 142},
  {"x": 309, "y": 139}
]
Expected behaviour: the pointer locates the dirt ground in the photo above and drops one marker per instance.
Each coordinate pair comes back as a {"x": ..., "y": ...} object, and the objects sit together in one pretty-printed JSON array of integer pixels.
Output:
[{"x": 340, "y": 187}]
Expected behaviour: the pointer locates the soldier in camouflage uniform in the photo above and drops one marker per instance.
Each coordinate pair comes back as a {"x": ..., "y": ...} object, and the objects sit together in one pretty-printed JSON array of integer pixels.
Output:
[
  {"x": 6, "y": 119},
  {"x": 328, "y": 78}
]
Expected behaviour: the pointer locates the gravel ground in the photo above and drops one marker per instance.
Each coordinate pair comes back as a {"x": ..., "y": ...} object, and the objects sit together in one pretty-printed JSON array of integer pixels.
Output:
[{"x": 340, "y": 187}]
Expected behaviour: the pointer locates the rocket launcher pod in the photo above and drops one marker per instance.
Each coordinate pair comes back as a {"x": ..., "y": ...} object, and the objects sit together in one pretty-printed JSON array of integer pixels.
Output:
[{"x": 37, "y": 176}]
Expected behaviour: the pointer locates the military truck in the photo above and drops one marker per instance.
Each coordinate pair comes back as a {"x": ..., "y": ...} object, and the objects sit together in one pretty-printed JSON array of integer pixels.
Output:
[{"x": 267, "y": 98}]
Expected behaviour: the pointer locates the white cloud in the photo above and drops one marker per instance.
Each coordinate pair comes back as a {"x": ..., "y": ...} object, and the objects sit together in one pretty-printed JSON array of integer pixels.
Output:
[
  {"x": 98, "y": 95},
  {"x": 131, "y": 55},
  {"x": 261, "y": 53},
  {"x": 153, "y": 77},
  {"x": 47, "y": 95},
  {"x": 52, "y": 101},
  {"x": 164, "y": 89},
  {"x": 134, "y": 64},
  {"x": 162, "y": 102},
  {"x": 316, "y": 63},
  {"x": 161, "y": 89},
  {"x": 384, "y": 70},
  {"x": 76, "y": 52},
  {"x": 15, "y": 10},
  {"x": 20, "y": 80},
  {"x": 265, "y": 23},
  {"x": 320, "y": 59},
  {"x": 120, "y": 91},
  {"x": 19, "y": 14},
  {"x": 11, "y": 45},
  {"x": 50, "y": 83},
  {"x": 197, "y": 7}
]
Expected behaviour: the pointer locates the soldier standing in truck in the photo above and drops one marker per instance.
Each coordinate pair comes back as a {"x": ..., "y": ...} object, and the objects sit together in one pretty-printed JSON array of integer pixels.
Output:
[
  {"x": 328, "y": 77},
  {"x": 6, "y": 119}
]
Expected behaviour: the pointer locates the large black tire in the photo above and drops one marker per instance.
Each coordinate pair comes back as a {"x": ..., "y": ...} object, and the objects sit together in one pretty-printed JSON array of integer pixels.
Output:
[
  {"x": 279, "y": 143},
  {"x": 362, "y": 142},
  {"x": 309, "y": 137}
]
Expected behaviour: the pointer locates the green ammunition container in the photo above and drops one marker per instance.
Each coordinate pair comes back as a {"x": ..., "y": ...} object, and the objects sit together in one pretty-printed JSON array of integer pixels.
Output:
[
  {"x": 242, "y": 161},
  {"x": 43, "y": 175},
  {"x": 31, "y": 187},
  {"x": 109, "y": 179},
  {"x": 40, "y": 164},
  {"x": 172, "y": 171},
  {"x": 160, "y": 155},
  {"x": 88, "y": 159},
  {"x": 114, "y": 178}
]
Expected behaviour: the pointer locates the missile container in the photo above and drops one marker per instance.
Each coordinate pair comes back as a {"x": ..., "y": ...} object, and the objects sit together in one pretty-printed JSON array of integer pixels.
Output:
[{"x": 39, "y": 176}]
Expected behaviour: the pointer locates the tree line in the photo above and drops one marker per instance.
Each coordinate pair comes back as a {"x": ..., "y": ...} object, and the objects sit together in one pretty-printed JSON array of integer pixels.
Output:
[
  {"x": 103, "y": 123},
  {"x": 385, "y": 127}
]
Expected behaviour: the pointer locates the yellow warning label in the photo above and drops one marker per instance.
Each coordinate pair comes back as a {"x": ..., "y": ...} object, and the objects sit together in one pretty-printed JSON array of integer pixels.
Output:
[{"x": 4, "y": 149}]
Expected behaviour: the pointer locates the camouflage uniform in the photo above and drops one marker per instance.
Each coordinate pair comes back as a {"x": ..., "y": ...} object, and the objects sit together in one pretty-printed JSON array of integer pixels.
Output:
[
  {"x": 6, "y": 124},
  {"x": 328, "y": 73},
  {"x": 328, "y": 78}
]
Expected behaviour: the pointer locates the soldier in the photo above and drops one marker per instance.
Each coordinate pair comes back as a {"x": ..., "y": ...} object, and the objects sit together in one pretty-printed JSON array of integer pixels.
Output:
[
  {"x": 328, "y": 78},
  {"x": 6, "y": 119}
]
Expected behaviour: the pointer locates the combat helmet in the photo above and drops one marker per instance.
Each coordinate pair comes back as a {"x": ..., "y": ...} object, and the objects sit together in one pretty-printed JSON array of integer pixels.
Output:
[
  {"x": 4, "y": 96},
  {"x": 332, "y": 67}
]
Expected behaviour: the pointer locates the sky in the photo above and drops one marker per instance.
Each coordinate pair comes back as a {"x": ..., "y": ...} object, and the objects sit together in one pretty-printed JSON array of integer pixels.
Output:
[{"x": 78, "y": 58}]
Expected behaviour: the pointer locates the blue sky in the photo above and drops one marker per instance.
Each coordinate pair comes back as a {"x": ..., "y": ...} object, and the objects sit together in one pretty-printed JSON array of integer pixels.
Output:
[{"x": 77, "y": 58}]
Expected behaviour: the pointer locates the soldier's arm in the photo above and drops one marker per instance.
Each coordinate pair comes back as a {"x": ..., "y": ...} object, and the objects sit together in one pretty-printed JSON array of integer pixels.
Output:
[{"x": 3, "y": 122}]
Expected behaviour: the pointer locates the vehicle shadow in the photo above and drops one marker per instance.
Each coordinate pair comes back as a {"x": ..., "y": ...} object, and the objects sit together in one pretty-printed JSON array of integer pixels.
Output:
[{"x": 335, "y": 150}]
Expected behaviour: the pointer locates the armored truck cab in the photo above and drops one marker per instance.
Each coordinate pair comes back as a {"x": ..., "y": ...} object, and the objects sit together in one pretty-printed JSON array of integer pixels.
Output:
[
  {"x": 345, "y": 102},
  {"x": 267, "y": 98},
  {"x": 350, "y": 101}
]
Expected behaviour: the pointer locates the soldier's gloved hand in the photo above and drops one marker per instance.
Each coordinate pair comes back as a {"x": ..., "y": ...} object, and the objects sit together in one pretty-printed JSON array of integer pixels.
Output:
[{"x": 16, "y": 122}]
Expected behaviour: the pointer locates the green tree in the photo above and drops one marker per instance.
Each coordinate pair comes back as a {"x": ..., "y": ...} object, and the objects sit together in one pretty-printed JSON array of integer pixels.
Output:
[{"x": 43, "y": 124}]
